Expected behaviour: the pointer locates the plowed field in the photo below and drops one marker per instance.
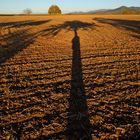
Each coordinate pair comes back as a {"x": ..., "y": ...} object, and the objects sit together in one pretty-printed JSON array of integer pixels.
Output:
[{"x": 70, "y": 77}]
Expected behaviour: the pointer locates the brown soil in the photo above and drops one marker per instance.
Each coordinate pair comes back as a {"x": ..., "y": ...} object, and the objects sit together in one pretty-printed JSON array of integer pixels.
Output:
[{"x": 70, "y": 77}]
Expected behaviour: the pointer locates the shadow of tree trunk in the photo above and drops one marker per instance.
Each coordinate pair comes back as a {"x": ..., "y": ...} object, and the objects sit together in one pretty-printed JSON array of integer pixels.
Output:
[{"x": 78, "y": 122}]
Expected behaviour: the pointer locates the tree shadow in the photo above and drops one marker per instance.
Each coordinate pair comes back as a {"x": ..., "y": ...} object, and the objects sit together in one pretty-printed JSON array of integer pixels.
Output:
[
  {"x": 14, "y": 44},
  {"x": 78, "y": 125},
  {"x": 19, "y": 24},
  {"x": 69, "y": 26},
  {"x": 18, "y": 40},
  {"x": 130, "y": 25},
  {"x": 78, "y": 119}
]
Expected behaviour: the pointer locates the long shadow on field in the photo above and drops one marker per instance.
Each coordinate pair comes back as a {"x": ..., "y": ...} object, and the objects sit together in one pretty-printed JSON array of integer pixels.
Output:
[
  {"x": 68, "y": 25},
  {"x": 131, "y": 25},
  {"x": 78, "y": 123},
  {"x": 12, "y": 43},
  {"x": 19, "y": 24},
  {"x": 78, "y": 126}
]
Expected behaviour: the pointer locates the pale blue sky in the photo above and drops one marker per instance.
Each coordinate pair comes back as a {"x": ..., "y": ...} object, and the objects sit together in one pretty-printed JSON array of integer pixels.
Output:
[{"x": 41, "y": 6}]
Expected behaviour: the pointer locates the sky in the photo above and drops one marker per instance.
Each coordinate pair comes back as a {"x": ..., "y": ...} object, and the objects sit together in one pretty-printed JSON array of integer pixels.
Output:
[{"x": 41, "y": 6}]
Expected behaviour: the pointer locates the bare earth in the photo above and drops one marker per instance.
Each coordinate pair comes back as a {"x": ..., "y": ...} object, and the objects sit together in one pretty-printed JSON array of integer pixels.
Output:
[{"x": 70, "y": 77}]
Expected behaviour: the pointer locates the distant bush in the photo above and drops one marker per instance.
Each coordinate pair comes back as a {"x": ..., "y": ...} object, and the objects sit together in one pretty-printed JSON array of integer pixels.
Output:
[
  {"x": 54, "y": 9},
  {"x": 27, "y": 11}
]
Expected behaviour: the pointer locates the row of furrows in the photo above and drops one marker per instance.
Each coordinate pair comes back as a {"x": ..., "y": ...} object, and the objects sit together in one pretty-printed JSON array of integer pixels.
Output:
[
  {"x": 88, "y": 79},
  {"x": 43, "y": 67},
  {"x": 43, "y": 57},
  {"x": 44, "y": 102},
  {"x": 89, "y": 56},
  {"x": 62, "y": 61},
  {"x": 26, "y": 101},
  {"x": 16, "y": 39},
  {"x": 32, "y": 77},
  {"x": 105, "y": 90},
  {"x": 11, "y": 35},
  {"x": 57, "y": 86},
  {"x": 46, "y": 75},
  {"x": 126, "y": 68},
  {"x": 14, "y": 44},
  {"x": 38, "y": 125},
  {"x": 102, "y": 110},
  {"x": 111, "y": 96},
  {"x": 39, "y": 115},
  {"x": 42, "y": 106},
  {"x": 34, "y": 74},
  {"x": 113, "y": 81},
  {"x": 38, "y": 61}
]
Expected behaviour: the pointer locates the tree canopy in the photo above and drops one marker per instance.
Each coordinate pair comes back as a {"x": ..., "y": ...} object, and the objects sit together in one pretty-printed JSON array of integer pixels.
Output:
[{"x": 54, "y": 9}]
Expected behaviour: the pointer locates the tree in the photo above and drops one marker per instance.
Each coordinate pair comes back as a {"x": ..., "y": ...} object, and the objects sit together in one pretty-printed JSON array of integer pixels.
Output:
[
  {"x": 27, "y": 11},
  {"x": 54, "y": 9}
]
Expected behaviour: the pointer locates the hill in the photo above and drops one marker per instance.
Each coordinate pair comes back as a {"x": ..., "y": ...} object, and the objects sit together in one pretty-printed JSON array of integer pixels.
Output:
[{"x": 120, "y": 10}]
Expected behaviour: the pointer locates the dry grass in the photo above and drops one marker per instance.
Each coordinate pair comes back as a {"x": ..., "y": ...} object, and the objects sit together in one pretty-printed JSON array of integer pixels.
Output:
[{"x": 70, "y": 77}]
